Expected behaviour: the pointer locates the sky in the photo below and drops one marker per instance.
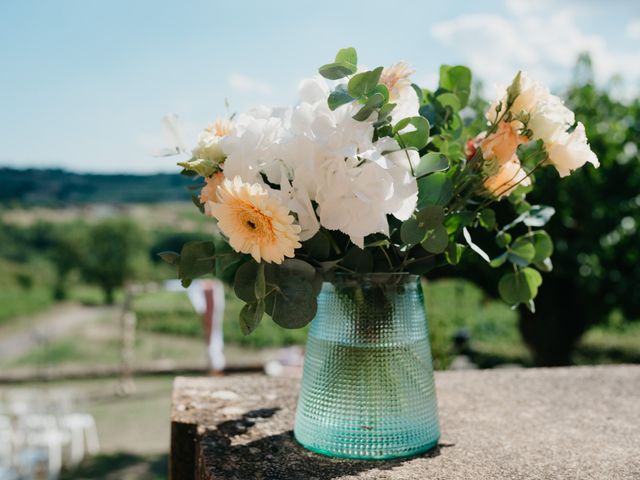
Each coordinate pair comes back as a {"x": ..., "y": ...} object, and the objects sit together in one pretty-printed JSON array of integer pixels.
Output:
[{"x": 84, "y": 85}]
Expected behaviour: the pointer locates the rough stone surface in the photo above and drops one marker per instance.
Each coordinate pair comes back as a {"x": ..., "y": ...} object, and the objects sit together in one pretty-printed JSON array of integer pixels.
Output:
[{"x": 563, "y": 423}]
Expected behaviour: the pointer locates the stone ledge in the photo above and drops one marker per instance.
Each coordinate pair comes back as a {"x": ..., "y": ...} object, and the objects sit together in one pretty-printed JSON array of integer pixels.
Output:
[{"x": 563, "y": 423}]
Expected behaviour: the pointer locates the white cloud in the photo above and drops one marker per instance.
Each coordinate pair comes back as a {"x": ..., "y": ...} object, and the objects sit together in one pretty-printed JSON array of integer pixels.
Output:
[
  {"x": 537, "y": 37},
  {"x": 633, "y": 29},
  {"x": 246, "y": 84}
]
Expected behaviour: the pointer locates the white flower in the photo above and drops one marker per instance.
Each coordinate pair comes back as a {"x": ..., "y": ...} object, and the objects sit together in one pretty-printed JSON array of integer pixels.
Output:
[
  {"x": 397, "y": 79},
  {"x": 208, "y": 146},
  {"x": 253, "y": 146},
  {"x": 570, "y": 151}
]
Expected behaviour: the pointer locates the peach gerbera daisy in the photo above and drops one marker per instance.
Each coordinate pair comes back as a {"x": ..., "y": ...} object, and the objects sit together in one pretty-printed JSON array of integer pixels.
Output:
[{"x": 254, "y": 222}]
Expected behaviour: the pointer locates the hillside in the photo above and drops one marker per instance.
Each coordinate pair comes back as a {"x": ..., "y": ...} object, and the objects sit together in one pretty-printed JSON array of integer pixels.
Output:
[{"x": 55, "y": 187}]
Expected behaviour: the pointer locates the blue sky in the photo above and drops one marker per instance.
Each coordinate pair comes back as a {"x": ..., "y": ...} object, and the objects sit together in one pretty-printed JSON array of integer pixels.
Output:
[{"x": 84, "y": 85}]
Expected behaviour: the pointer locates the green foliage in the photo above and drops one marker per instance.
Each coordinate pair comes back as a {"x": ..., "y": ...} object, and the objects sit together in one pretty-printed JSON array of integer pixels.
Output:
[{"x": 112, "y": 248}]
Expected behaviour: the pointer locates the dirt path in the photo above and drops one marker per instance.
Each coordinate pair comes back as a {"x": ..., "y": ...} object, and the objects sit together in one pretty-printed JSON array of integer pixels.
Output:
[{"x": 24, "y": 335}]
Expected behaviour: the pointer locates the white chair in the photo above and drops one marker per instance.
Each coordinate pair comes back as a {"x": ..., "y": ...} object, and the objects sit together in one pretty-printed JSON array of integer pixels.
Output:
[
  {"x": 53, "y": 442},
  {"x": 83, "y": 435}
]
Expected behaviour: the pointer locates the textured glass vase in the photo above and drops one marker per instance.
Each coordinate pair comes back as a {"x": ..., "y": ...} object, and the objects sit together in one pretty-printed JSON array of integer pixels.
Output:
[{"x": 367, "y": 390}]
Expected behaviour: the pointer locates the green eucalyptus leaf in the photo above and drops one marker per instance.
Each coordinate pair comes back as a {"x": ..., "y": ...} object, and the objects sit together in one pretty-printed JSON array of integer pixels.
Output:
[
  {"x": 499, "y": 260},
  {"x": 435, "y": 189},
  {"x": 347, "y": 55},
  {"x": 538, "y": 216},
  {"x": 520, "y": 287},
  {"x": 522, "y": 252},
  {"x": 416, "y": 138},
  {"x": 435, "y": 240},
  {"x": 295, "y": 304},
  {"x": 458, "y": 81},
  {"x": 543, "y": 245},
  {"x": 339, "y": 97},
  {"x": 250, "y": 316},
  {"x": 337, "y": 70},
  {"x": 201, "y": 166},
  {"x": 244, "y": 281},
  {"x": 411, "y": 233},
  {"x": 374, "y": 101},
  {"x": 363, "y": 83},
  {"x": 430, "y": 163},
  {"x": 430, "y": 216},
  {"x": 503, "y": 239},
  {"x": 458, "y": 220},
  {"x": 545, "y": 265},
  {"x": 487, "y": 218},
  {"x": 196, "y": 259},
  {"x": 449, "y": 100}
]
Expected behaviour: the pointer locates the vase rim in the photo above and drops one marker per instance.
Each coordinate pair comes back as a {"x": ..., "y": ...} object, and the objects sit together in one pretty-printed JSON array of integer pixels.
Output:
[{"x": 375, "y": 277}]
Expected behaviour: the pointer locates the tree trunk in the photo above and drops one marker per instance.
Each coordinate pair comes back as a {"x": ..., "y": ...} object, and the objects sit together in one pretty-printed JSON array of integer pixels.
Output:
[
  {"x": 108, "y": 295},
  {"x": 553, "y": 331}
]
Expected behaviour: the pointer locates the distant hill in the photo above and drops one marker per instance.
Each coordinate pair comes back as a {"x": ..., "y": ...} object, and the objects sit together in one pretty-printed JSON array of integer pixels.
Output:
[{"x": 55, "y": 187}]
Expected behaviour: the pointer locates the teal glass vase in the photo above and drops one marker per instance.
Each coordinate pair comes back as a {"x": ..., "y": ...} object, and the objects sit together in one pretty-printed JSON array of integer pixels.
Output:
[{"x": 367, "y": 389}]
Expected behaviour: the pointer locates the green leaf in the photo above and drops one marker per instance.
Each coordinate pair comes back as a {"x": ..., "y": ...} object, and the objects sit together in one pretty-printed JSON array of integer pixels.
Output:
[
  {"x": 172, "y": 258},
  {"x": 431, "y": 216},
  {"x": 363, "y": 83},
  {"x": 499, "y": 260},
  {"x": 347, "y": 55},
  {"x": 203, "y": 167},
  {"x": 337, "y": 70},
  {"x": 545, "y": 265},
  {"x": 487, "y": 218},
  {"x": 435, "y": 189},
  {"x": 520, "y": 287},
  {"x": 385, "y": 111},
  {"x": 453, "y": 253},
  {"x": 457, "y": 80},
  {"x": 449, "y": 100},
  {"x": 522, "y": 251},
  {"x": 538, "y": 216},
  {"x": 456, "y": 221},
  {"x": 543, "y": 245},
  {"x": 244, "y": 282},
  {"x": 358, "y": 260},
  {"x": 339, "y": 97},
  {"x": 196, "y": 259},
  {"x": 374, "y": 101},
  {"x": 295, "y": 304},
  {"x": 503, "y": 239},
  {"x": 250, "y": 316},
  {"x": 436, "y": 240},
  {"x": 411, "y": 233},
  {"x": 417, "y": 138},
  {"x": 430, "y": 163}
]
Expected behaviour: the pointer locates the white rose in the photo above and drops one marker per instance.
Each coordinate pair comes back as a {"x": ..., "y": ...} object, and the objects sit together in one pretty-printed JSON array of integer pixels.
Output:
[{"x": 570, "y": 151}]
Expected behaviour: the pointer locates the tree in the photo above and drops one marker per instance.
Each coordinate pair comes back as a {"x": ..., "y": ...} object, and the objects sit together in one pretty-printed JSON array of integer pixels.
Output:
[
  {"x": 67, "y": 256},
  {"x": 111, "y": 254}
]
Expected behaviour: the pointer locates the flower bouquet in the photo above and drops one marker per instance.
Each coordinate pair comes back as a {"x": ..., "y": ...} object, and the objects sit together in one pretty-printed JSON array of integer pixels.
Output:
[{"x": 332, "y": 207}]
